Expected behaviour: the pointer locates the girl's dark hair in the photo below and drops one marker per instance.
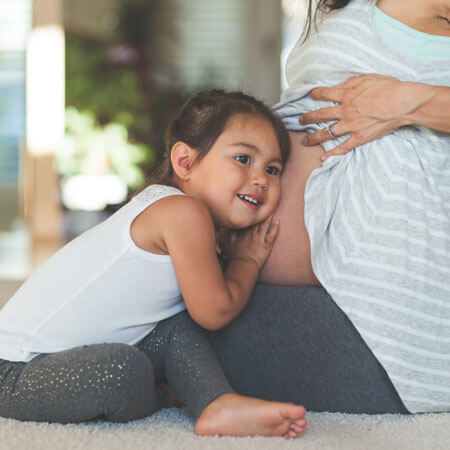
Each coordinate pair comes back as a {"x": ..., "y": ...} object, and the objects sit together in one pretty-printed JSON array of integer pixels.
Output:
[
  {"x": 323, "y": 6},
  {"x": 203, "y": 118}
]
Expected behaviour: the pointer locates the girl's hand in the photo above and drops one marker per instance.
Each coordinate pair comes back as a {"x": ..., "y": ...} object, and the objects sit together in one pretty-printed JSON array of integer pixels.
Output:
[
  {"x": 255, "y": 243},
  {"x": 370, "y": 107}
]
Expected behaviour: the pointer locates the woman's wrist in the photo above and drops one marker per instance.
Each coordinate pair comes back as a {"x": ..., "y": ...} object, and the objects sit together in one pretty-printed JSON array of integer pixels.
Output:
[{"x": 432, "y": 106}]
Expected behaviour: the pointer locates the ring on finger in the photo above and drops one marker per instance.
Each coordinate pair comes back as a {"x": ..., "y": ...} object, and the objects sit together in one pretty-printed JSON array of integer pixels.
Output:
[{"x": 330, "y": 129}]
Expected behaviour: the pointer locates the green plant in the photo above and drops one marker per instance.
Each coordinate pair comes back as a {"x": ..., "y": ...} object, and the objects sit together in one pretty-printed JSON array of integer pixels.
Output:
[
  {"x": 89, "y": 148},
  {"x": 120, "y": 77}
]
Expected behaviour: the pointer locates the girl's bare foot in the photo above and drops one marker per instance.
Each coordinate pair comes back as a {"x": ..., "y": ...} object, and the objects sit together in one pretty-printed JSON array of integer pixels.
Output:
[{"x": 236, "y": 415}]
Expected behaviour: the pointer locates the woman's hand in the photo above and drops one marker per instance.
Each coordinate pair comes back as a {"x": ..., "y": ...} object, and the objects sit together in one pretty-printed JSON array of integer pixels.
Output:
[{"x": 370, "y": 107}]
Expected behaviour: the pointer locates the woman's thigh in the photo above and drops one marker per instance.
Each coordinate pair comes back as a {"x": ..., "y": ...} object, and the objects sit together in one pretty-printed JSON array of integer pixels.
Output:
[
  {"x": 294, "y": 344},
  {"x": 289, "y": 262}
]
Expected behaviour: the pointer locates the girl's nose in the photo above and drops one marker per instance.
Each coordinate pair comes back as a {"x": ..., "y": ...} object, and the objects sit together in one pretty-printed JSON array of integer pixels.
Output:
[{"x": 260, "y": 179}]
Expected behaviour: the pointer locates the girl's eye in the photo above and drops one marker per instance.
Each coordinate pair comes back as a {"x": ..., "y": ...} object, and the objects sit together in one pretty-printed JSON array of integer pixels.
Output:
[
  {"x": 272, "y": 170},
  {"x": 244, "y": 159}
]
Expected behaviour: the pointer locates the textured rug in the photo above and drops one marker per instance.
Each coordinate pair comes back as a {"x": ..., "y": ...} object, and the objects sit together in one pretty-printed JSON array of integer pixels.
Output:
[{"x": 173, "y": 429}]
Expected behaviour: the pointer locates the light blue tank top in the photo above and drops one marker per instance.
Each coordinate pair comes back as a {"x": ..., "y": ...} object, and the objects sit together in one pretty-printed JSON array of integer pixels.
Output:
[{"x": 408, "y": 41}]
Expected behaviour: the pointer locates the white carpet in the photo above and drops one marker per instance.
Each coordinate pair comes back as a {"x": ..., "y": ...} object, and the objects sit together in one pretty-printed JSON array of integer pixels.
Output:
[{"x": 172, "y": 429}]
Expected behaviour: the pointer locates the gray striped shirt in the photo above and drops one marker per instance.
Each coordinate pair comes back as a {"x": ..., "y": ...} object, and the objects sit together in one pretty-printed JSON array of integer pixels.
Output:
[{"x": 379, "y": 216}]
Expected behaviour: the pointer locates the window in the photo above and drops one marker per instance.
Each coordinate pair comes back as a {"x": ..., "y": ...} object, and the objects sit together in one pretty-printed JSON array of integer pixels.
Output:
[{"x": 15, "y": 24}]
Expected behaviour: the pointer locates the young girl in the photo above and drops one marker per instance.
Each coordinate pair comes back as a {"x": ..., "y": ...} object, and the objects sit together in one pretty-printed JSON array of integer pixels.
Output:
[{"x": 90, "y": 333}]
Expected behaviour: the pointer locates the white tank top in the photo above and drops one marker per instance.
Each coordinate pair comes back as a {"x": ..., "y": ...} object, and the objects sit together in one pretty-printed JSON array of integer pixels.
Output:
[{"x": 98, "y": 288}]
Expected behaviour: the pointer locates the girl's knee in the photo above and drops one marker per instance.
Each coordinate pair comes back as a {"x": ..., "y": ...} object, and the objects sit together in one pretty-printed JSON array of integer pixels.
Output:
[
  {"x": 127, "y": 361},
  {"x": 132, "y": 378},
  {"x": 183, "y": 321}
]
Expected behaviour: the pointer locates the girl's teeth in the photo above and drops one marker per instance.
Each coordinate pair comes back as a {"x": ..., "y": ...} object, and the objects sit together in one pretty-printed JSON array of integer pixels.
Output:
[{"x": 249, "y": 199}]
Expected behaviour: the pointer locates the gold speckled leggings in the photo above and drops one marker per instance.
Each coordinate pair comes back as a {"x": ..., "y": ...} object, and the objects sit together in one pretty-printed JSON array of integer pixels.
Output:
[{"x": 115, "y": 382}]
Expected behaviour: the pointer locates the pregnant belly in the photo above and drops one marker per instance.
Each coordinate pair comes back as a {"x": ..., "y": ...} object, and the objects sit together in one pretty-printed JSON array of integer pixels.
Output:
[{"x": 289, "y": 262}]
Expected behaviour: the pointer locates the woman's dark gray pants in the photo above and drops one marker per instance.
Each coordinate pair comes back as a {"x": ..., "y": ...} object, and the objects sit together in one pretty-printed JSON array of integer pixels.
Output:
[{"x": 294, "y": 344}]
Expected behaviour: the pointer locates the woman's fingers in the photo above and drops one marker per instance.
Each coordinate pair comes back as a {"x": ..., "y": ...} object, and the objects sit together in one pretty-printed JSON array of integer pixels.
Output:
[
  {"x": 343, "y": 148},
  {"x": 369, "y": 108},
  {"x": 322, "y": 115},
  {"x": 346, "y": 112},
  {"x": 361, "y": 127},
  {"x": 336, "y": 94},
  {"x": 355, "y": 81},
  {"x": 328, "y": 93},
  {"x": 352, "y": 82},
  {"x": 359, "y": 137},
  {"x": 318, "y": 137},
  {"x": 333, "y": 131}
]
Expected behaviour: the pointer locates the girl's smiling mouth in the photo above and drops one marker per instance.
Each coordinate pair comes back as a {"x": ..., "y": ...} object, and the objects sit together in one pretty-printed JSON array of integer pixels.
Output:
[{"x": 251, "y": 200}]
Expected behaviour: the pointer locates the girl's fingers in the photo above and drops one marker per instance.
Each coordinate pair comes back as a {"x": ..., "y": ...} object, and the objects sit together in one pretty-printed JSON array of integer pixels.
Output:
[
  {"x": 272, "y": 232},
  {"x": 264, "y": 226},
  {"x": 233, "y": 237}
]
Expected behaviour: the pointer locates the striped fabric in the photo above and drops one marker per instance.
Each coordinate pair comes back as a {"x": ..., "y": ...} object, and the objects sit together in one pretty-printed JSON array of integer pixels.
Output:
[{"x": 379, "y": 216}]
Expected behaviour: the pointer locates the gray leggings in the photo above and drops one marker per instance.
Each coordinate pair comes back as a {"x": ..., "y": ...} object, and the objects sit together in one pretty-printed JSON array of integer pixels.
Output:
[
  {"x": 115, "y": 382},
  {"x": 289, "y": 344},
  {"x": 295, "y": 344}
]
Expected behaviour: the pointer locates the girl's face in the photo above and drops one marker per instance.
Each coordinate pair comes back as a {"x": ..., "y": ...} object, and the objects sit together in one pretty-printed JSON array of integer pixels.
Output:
[{"x": 239, "y": 178}]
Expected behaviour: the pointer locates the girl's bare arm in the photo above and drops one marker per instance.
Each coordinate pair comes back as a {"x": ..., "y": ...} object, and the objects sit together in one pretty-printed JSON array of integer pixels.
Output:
[{"x": 212, "y": 298}]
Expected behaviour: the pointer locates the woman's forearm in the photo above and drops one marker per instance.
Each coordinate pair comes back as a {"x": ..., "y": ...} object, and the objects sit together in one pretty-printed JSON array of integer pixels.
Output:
[{"x": 434, "y": 109}]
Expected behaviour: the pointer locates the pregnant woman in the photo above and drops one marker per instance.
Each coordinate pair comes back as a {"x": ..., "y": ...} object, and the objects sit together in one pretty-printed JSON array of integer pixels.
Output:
[{"x": 357, "y": 317}]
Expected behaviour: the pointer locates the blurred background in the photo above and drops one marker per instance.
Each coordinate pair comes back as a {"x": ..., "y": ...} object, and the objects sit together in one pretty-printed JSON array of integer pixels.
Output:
[{"x": 86, "y": 90}]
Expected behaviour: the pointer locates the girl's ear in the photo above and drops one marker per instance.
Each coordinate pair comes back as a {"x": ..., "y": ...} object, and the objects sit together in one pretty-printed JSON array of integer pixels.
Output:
[{"x": 182, "y": 157}]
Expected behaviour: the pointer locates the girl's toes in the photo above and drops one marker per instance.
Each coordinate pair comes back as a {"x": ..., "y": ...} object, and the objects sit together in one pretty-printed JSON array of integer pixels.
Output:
[{"x": 290, "y": 434}]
